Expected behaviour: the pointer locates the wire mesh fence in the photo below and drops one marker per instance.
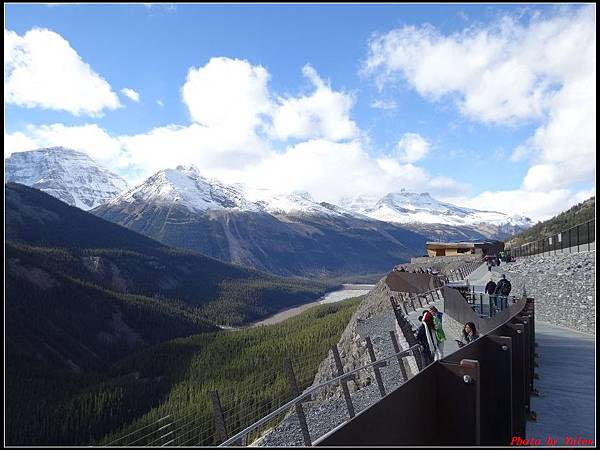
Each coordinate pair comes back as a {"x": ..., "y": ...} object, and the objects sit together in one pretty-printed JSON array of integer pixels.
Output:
[{"x": 581, "y": 237}]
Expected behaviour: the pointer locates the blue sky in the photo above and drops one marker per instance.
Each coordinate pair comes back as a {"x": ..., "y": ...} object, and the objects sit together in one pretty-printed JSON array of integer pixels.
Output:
[{"x": 440, "y": 113}]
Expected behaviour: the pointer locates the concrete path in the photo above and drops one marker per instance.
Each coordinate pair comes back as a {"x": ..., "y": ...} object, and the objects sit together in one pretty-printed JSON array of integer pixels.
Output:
[
  {"x": 566, "y": 405},
  {"x": 480, "y": 276}
]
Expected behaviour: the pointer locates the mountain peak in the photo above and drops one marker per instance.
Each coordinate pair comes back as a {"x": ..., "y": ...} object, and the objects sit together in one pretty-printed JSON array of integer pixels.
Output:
[
  {"x": 69, "y": 175},
  {"x": 186, "y": 186},
  {"x": 411, "y": 207}
]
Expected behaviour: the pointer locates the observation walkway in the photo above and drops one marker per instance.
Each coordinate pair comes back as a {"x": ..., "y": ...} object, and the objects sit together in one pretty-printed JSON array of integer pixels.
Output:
[{"x": 565, "y": 406}]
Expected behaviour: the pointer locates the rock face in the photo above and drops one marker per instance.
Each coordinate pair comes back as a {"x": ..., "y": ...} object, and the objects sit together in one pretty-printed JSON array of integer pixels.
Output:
[
  {"x": 563, "y": 286},
  {"x": 68, "y": 175}
]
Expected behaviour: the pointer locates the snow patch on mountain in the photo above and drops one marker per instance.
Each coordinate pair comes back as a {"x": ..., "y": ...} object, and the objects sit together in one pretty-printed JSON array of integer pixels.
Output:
[
  {"x": 69, "y": 175},
  {"x": 293, "y": 203},
  {"x": 186, "y": 186},
  {"x": 409, "y": 207}
]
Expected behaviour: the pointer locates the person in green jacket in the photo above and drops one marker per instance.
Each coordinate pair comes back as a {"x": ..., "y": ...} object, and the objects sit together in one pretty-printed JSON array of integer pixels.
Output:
[{"x": 439, "y": 331}]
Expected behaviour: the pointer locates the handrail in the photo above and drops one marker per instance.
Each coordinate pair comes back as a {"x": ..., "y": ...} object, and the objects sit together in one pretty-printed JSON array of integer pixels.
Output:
[{"x": 308, "y": 392}]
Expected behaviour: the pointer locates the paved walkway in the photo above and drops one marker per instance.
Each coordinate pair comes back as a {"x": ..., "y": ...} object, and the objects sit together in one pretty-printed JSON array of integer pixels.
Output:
[
  {"x": 567, "y": 360},
  {"x": 480, "y": 276},
  {"x": 566, "y": 405}
]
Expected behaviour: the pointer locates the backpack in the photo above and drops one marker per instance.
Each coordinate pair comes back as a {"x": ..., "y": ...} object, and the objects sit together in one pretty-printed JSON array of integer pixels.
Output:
[{"x": 439, "y": 332}]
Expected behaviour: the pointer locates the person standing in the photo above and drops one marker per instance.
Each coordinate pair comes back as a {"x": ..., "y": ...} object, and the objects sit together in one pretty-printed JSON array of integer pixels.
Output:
[
  {"x": 439, "y": 331},
  {"x": 490, "y": 289},
  {"x": 503, "y": 289},
  {"x": 430, "y": 332},
  {"x": 421, "y": 336}
]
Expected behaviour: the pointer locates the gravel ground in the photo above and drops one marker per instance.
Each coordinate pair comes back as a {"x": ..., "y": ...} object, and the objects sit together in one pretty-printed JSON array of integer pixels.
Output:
[
  {"x": 323, "y": 416},
  {"x": 562, "y": 285}
]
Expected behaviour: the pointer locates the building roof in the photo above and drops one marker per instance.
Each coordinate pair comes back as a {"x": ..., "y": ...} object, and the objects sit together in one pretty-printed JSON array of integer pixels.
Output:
[{"x": 466, "y": 243}]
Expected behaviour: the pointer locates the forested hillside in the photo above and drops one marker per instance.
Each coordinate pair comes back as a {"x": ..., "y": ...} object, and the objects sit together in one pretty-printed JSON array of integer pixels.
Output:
[
  {"x": 175, "y": 378},
  {"x": 82, "y": 293},
  {"x": 580, "y": 213},
  {"x": 50, "y": 235}
]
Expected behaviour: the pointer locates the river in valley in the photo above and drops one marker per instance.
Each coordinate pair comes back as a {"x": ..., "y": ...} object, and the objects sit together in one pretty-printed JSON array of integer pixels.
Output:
[{"x": 347, "y": 291}]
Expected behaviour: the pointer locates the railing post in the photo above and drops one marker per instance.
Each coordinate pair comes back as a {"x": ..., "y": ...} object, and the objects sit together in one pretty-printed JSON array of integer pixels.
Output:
[
  {"x": 219, "y": 419},
  {"x": 588, "y": 235},
  {"x": 375, "y": 368},
  {"x": 419, "y": 300},
  {"x": 400, "y": 360},
  {"x": 577, "y": 238},
  {"x": 480, "y": 305},
  {"x": 343, "y": 382},
  {"x": 289, "y": 373},
  {"x": 570, "y": 240}
]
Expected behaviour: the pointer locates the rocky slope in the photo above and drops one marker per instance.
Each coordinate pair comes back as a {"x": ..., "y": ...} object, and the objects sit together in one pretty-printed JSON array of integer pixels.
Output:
[
  {"x": 563, "y": 286},
  {"x": 327, "y": 408},
  {"x": 69, "y": 175}
]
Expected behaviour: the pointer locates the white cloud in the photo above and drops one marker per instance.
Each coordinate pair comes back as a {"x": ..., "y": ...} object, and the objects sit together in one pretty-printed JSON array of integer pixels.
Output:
[
  {"x": 538, "y": 205},
  {"x": 210, "y": 149},
  {"x": 17, "y": 142},
  {"x": 160, "y": 103},
  {"x": 412, "y": 148},
  {"x": 388, "y": 105},
  {"x": 89, "y": 138},
  {"x": 231, "y": 107},
  {"x": 416, "y": 179},
  {"x": 228, "y": 95},
  {"x": 131, "y": 94},
  {"x": 540, "y": 70},
  {"x": 42, "y": 70},
  {"x": 325, "y": 114}
]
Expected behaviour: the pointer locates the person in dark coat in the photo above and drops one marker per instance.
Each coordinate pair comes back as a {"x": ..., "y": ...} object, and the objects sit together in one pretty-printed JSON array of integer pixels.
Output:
[
  {"x": 422, "y": 341},
  {"x": 490, "y": 289},
  {"x": 503, "y": 289}
]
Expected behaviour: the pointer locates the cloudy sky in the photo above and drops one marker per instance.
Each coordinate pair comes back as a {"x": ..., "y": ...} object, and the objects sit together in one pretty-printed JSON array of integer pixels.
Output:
[{"x": 492, "y": 107}]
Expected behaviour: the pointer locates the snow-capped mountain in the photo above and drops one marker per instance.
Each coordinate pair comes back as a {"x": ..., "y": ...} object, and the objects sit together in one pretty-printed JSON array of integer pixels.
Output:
[
  {"x": 410, "y": 208},
  {"x": 186, "y": 186},
  {"x": 281, "y": 233},
  {"x": 69, "y": 175},
  {"x": 293, "y": 203}
]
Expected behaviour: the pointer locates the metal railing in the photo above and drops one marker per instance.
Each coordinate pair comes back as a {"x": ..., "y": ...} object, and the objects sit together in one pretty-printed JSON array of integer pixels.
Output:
[
  {"x": 575, "y": 239},
  {"x": 462, "y": 272},
  {"x": 488, "y": 305},
  {"x": 476, "y": 396},
  {"x": 296, "y": 403},
  {"x": 409, "y": 300}
]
